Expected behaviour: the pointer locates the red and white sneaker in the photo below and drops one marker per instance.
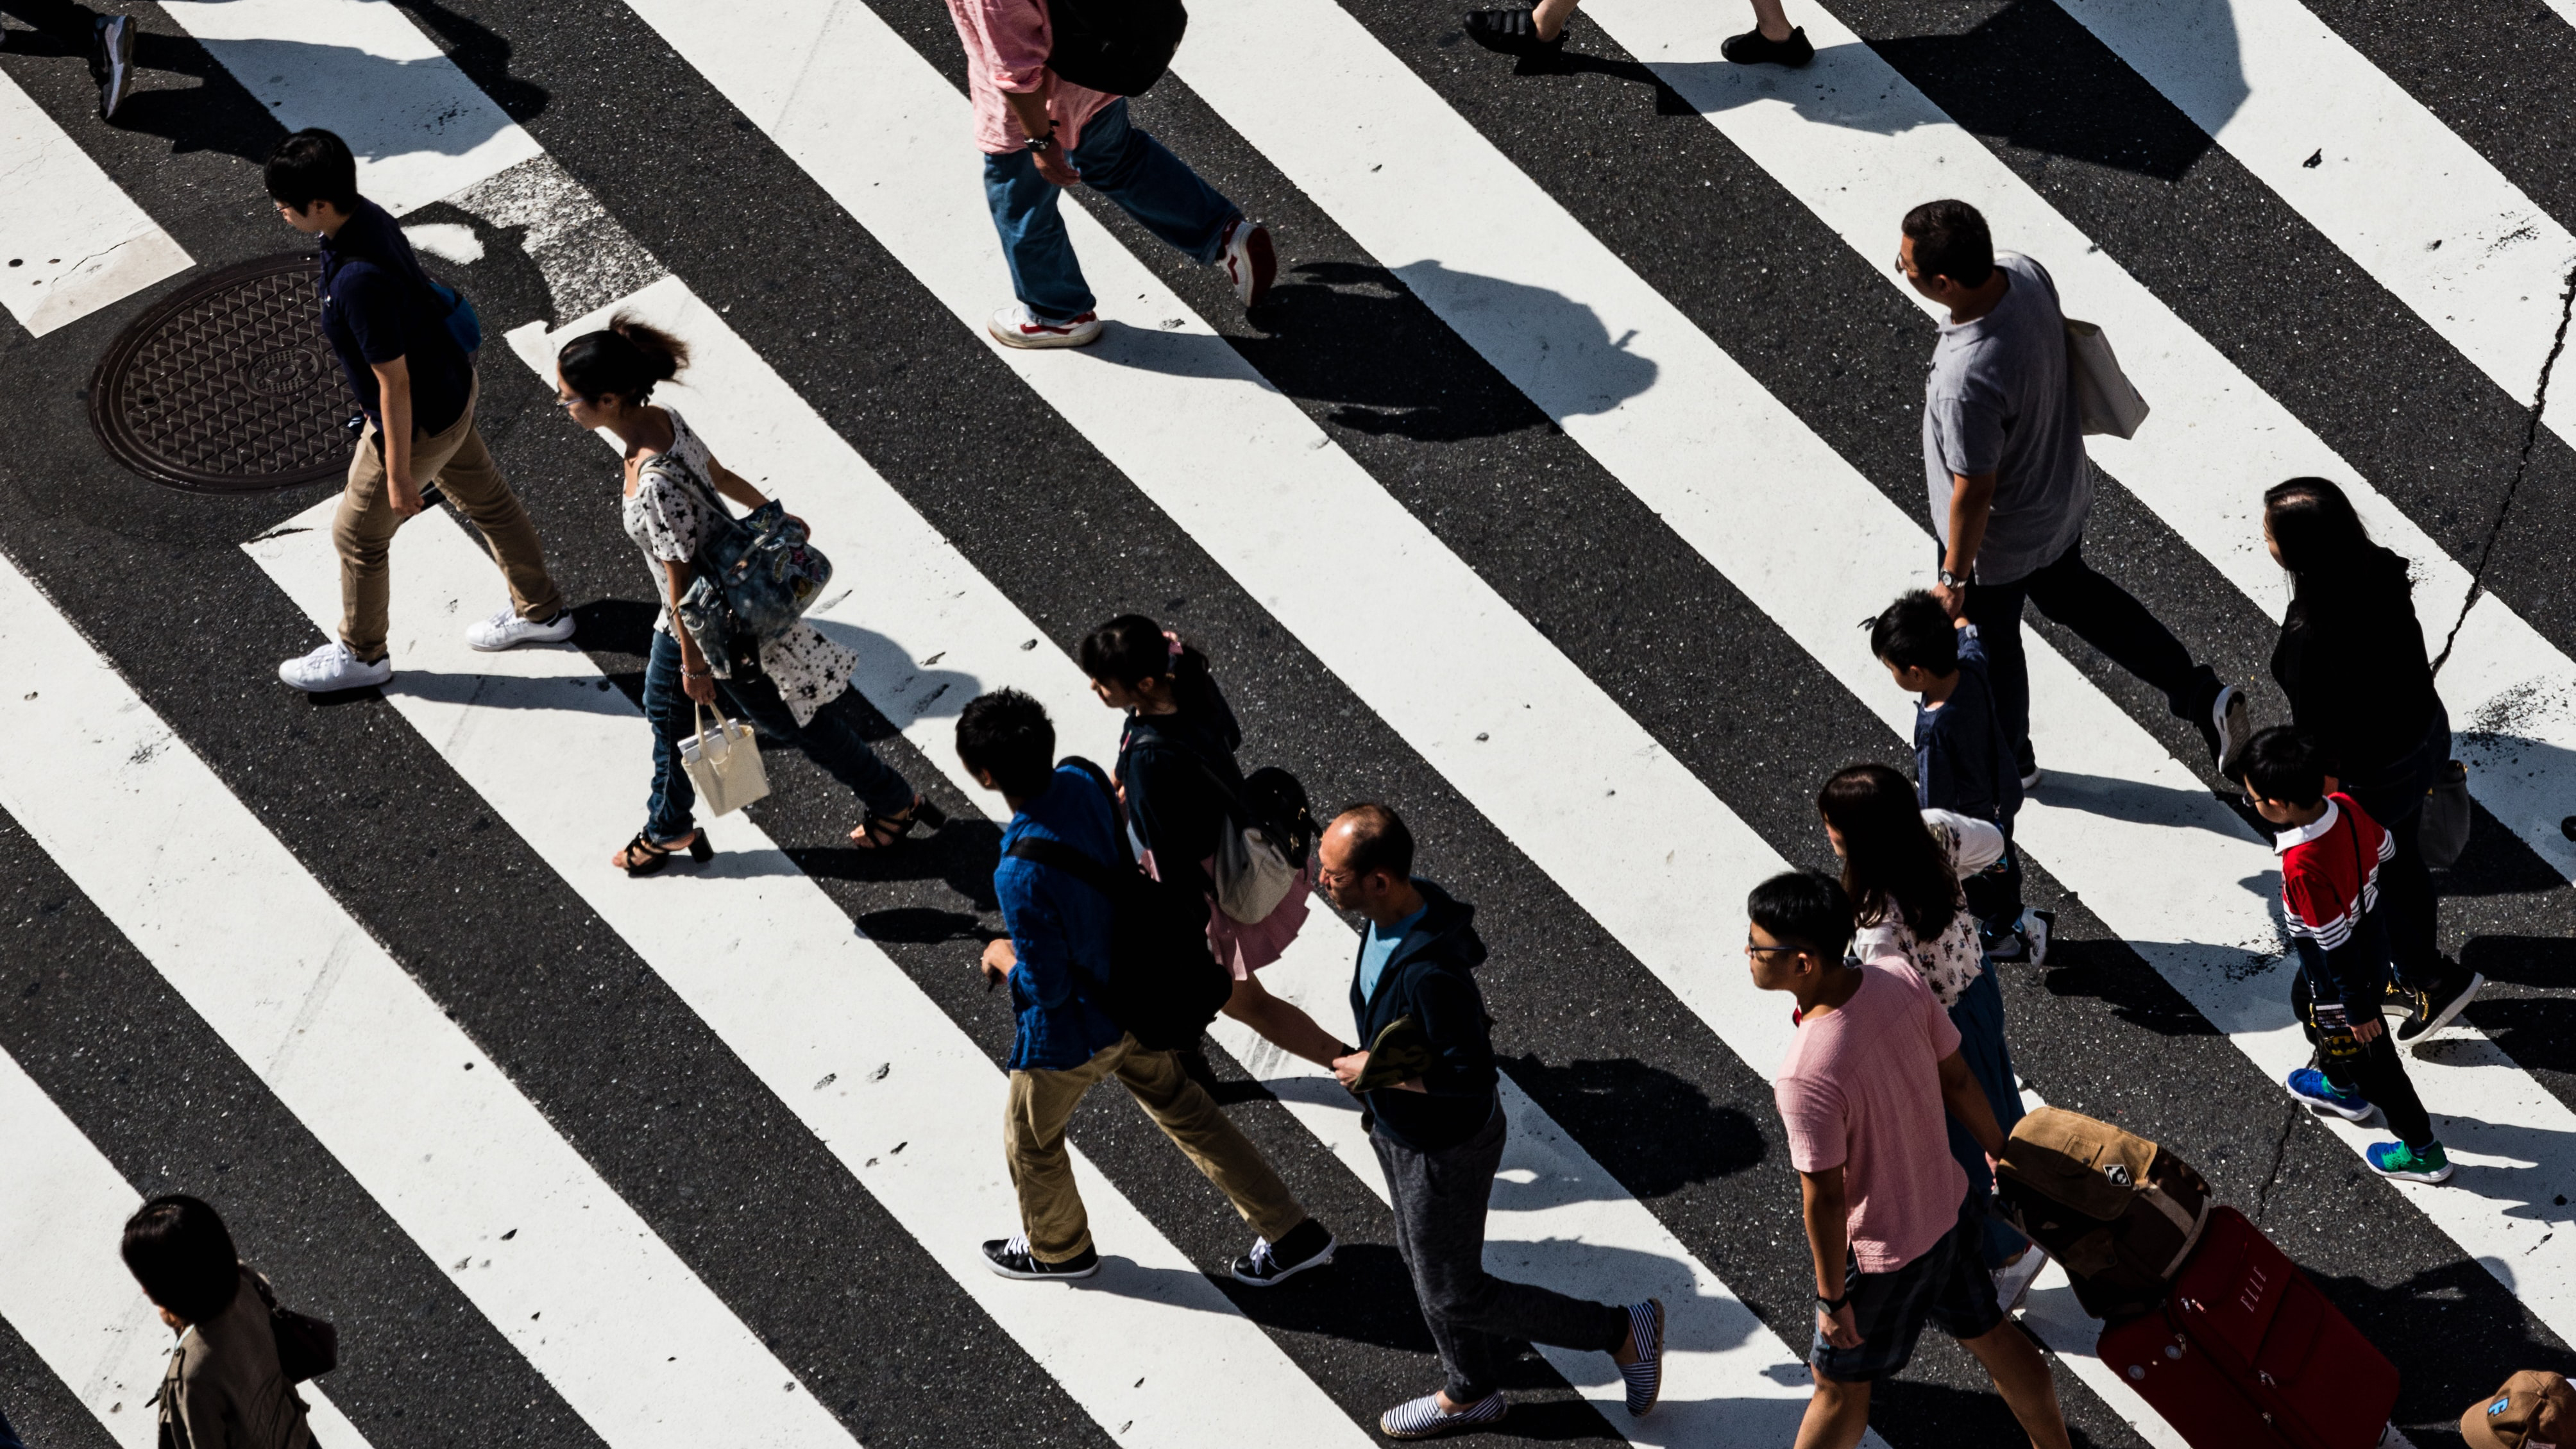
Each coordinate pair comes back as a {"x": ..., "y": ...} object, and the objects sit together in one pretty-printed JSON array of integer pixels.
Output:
[
  {"x": 1016, "y": 326},
  {"x": 1250, "y": 261}
]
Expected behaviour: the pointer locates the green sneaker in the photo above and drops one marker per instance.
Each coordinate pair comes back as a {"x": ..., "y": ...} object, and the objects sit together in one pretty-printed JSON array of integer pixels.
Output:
[{"x": 2396, "y": 1159}]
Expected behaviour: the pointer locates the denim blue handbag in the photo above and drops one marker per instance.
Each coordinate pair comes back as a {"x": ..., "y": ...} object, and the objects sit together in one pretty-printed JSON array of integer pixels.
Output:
[{"x": 756, "y": 577}]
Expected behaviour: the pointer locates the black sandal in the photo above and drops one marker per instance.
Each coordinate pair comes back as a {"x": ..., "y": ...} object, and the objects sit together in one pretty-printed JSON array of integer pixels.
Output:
[
  {"x": 644, "y": 855},
  {"x": 883, "y": 832}
]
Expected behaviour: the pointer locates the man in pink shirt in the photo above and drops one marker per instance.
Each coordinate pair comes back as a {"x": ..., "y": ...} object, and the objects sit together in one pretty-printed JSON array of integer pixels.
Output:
[
  {"x": 1889, "y": 1217},
  {"x": 1041, "y": 133}
]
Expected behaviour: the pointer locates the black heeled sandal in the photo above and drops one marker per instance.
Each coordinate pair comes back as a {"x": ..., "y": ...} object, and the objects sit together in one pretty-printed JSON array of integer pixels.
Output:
[
  {"x": 644, "y": 855},
  {"x": 883, "y": 832}
]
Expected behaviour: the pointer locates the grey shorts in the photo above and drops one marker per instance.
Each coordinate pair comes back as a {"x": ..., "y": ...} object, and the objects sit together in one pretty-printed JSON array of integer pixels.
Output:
[{"x": 1947, "y": 1286}]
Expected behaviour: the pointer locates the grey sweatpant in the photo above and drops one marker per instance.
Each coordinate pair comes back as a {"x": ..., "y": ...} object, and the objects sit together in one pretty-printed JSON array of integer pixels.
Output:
[{"x": 1476, "y": 1317}]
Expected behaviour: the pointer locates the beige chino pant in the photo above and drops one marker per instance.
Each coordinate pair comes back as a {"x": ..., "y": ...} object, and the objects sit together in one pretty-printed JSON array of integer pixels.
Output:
[
  {"x": 1042, "y": 1102},
  {"x": 462, "y": 467}
]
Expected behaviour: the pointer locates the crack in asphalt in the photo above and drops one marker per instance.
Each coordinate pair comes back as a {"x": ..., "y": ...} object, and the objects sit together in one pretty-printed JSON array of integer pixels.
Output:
[
  {"x": 2280, "y": 1152},
  {"x": 2522, "y": 465}
]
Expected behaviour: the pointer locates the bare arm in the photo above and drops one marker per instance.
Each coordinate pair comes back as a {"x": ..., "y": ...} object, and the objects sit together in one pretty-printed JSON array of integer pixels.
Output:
[
  {"x": 734, "y": 486},
  {"x": 1972, "y": 500},
  {"x": 1967, "y": 1102},
  {"x": 696, "y": 681},
  {"x": 393, "y": 432},
  {"x": 1827, "y": 1212},
  {"x": 1031, "y": 109}
]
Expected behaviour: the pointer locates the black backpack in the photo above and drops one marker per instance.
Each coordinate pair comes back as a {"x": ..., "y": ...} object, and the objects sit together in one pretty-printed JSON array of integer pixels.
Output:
[
  {"x": 1164, "y": 984},
  {"x": 1118, "y": 46}
]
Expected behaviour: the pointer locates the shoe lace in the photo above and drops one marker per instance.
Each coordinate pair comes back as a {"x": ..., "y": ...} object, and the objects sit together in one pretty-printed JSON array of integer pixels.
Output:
[
  {"x": 1264, "y": 1258},
  {"x": 1019, "y": 1244},
  {"x": 502, "y": 619}
]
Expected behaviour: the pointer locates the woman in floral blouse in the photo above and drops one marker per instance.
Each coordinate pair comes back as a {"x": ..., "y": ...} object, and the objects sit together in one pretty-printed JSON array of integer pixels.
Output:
[
  {"x": 1901, "y": 867},
  {"x": 605, "y": 379}
]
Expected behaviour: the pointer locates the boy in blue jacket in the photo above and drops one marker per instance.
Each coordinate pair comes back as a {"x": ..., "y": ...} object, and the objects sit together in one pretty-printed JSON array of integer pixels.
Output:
[
  {"x": 1057, "y": 959},
  {"x": 1439, "y": 1135}
]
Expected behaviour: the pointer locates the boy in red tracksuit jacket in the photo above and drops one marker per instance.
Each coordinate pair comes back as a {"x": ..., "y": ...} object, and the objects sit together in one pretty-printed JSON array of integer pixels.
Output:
[{"x": 2330, "y": 856}]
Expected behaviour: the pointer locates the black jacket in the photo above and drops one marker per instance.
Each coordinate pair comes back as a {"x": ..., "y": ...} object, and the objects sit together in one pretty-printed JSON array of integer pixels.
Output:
[
  {"x": 1428, "y": 979},
  {"x": 1177, "y": 770},
  {"x": 2351, "y": 658}
]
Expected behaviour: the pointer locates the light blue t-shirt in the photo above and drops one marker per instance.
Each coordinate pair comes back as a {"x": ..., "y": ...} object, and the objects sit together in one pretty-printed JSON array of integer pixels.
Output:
[{"x": 1379, "y": 948}]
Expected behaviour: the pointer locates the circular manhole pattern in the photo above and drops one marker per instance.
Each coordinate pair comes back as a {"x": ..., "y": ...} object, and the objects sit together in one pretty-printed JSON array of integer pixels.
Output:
[{"x": 228, "y": 385}]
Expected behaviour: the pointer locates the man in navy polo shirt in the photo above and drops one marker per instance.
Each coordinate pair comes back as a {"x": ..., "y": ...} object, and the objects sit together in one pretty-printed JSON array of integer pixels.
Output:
[{"x": 416, "y": 383}]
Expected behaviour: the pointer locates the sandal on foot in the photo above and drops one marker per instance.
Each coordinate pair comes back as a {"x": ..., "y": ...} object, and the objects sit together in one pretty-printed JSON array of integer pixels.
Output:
[
  {"x": 644, "y": 855},
  {"x": 879, "y": 832}
]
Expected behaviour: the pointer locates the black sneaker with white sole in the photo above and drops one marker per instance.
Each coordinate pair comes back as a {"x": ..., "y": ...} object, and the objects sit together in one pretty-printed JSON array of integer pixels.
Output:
[
  {"x": 2223, "y": 724},
  {"x": 1011, "y": 1258},
  {"x": 2436, "y": 1008},
  {"x": 1308, "y": 1245}
]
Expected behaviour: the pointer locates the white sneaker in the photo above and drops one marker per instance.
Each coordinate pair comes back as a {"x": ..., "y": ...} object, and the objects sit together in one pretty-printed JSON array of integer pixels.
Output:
[
  {"x": 2013, "y": 1279},
  {"x": 1016, "y": 326},
  {"x": 506, "y": 630},
  {"x": 2031, "y": 781},
  {"x": 2036, "y": 926},
  {"x": 333, "y": 667},
  {"x": 1250, "y": 261}
]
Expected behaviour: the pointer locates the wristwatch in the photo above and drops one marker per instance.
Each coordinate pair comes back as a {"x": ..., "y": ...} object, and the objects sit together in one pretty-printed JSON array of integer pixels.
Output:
[
  {"x": 1950, "y": 580},
  {"x": 1834, "y": 1305},
  {"x": 1040, "y": 145}
]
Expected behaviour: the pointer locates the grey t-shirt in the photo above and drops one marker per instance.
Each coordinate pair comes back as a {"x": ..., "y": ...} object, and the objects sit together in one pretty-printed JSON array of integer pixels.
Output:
[{"x": 1999, "y": 401}]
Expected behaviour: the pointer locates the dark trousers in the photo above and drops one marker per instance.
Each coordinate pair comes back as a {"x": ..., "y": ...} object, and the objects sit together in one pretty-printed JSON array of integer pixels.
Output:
[
  {"x": 1476, "y": 1317},
  {"x": 1994, "y": 894},
  {"x": 1979, "y": 1016},
  {"x": 832, "y": 741},
  {"x": 2377, "y": 1071},
  {"x": 2393, "y": 795},
  {"x": 2104, "y": 616}
]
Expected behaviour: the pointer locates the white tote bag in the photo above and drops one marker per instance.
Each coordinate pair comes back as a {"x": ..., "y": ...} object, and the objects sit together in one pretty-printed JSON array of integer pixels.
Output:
[
  {"x": 724, "y": 765},
  {"x": 2103, "y": 395}
]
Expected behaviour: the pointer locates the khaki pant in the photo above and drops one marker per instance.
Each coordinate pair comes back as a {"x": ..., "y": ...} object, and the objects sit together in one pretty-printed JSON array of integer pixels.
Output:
[
  {"x": 462, "y": 467},
  {"x": 1033, "y": 1137}
]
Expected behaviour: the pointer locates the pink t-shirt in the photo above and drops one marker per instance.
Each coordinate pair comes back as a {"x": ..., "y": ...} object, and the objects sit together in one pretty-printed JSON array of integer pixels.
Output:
[
  {"x": 1006, "y": 50},
  {"x": 1861, "y": 1090}
]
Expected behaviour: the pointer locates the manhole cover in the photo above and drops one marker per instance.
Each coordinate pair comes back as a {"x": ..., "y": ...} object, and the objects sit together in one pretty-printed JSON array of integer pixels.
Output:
[{"x": 228, "y": 386}]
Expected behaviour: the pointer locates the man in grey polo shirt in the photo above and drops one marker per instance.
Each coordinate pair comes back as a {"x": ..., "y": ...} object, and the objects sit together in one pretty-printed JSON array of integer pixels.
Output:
[{"x": 2003, "y": 454}]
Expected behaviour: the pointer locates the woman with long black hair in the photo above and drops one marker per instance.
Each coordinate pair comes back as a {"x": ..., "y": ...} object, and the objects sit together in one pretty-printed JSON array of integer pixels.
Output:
[
  {"x": 1901, "y": 867},
  {"x": 673, "y": 496},
  {"x": 1181, "y": 786},
  {"x": 2351, "y": 658},
  {"x": 224, "y": 1385}
]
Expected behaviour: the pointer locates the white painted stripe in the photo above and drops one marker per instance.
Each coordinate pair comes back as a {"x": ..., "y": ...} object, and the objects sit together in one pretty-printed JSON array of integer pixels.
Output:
[
  {"x": 368, "y": 1062},
  {"x": 70, "y": 241},
  {"x": 1858, "y": 144},
  {"x": 831, "y": 1025},
  {"x": 62, "y": 1286},
  {"x": 1637, "y": 840},
  {"x": 1571, "y": 1226},
  {"x": 420, "y": 128},
  {"x": 2417, "y": 207},
  {"x": 1409, "y": 177}
]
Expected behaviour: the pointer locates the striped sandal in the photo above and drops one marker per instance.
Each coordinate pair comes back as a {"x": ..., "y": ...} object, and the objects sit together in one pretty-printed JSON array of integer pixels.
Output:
[
  {"x": 1423, "y": 1418},
  {"x": 1645, "y": 1377}
]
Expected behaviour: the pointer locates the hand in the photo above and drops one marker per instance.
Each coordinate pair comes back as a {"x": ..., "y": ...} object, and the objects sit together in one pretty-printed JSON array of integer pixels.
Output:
[
  {"x": 2367, "y": 1030},
  {"x": 404, "y": 494},
  {"x": 1839, "y": 1327},
  {"x": 1053, "y": 166},
  {"x": 999, "y": 957},
  {"x": 697, "y": 684},
  {"x": 1953, "y": 597},
  {"x": 1346, "y": 1070}
]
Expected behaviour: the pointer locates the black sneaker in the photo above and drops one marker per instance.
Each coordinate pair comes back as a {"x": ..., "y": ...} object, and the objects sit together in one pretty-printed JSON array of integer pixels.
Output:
[
  {"x": 1512, "y": 32},
  {"x": 1751, "y": 49},
  {"x": 1308, "y": 1245},
  {"x": 2434, "y": 1009},
  {"x": 114, "y": 62},
  {"x": 1011, "y": 1258}
]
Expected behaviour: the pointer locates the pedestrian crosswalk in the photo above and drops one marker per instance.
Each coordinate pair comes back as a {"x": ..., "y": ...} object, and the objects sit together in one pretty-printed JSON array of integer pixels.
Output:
[{"x": 1243, "y": 499}]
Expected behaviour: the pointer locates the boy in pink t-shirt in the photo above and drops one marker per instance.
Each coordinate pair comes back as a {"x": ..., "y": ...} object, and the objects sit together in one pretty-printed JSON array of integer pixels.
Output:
[{"x": 1890, "y": 1221}]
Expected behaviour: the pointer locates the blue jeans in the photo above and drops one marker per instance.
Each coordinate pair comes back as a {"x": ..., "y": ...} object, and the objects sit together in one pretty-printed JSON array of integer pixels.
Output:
[
  {"x": 1120, "y": 162},
  {"x": 831, "y": 741},
  {"x": 1979, "y": 1016}
]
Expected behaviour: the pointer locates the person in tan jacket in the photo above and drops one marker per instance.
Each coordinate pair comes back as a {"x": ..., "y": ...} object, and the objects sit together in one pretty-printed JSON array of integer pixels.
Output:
[{"x": 224, "y": 1388}]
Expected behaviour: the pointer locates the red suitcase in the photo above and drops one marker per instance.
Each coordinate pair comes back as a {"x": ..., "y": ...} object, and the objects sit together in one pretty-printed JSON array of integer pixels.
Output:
[{"x": 2247, "y": 1354}]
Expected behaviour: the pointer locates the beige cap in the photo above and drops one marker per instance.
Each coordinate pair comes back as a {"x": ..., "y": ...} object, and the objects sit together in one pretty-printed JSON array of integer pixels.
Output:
[{"x": 2534, "y": 1410}]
